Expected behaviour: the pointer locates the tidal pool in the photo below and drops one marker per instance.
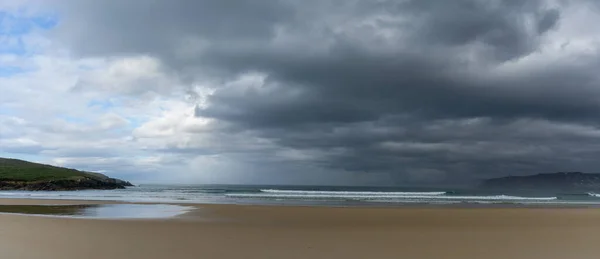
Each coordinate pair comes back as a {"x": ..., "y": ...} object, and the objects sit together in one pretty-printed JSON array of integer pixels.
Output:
[{"x": 100, "y": 211}]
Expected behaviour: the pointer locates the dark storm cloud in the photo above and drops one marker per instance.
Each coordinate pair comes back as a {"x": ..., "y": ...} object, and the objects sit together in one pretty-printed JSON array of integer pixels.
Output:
[
  {"x": 117, "y": 27},
  {"x": 499, "y": 25},
  {"x": 442, "y": 89},
  {"x": 351, "y": 88}
]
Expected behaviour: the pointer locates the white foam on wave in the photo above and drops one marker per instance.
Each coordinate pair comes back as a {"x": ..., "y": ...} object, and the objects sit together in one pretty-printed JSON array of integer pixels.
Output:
[
  {"x": 363, "y": 196},
  {"x": 345, "y": 193},
  {"x": 105, "y": 195},
  {"x": 594, "y": 194}
]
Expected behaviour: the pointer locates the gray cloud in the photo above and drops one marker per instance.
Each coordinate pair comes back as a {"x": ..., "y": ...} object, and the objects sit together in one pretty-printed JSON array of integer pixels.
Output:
[{"x": 421, "y": 90}]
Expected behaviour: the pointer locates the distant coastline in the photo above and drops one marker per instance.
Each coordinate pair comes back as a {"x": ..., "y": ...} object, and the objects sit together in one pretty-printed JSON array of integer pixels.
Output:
[
  {"x": 18, "y": 174},
  {"x": 551, "y": 181}
]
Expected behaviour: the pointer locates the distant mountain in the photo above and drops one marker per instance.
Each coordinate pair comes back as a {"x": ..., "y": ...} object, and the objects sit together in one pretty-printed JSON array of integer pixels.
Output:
[
  {"x": 554, "y": 181},
  {"x": 22, "y": 175}
]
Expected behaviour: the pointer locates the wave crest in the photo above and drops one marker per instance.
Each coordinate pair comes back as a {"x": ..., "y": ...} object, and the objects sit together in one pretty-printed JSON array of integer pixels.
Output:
[
  {"x": 341, "y": 193},
  {"x": 390, "y": 196}
]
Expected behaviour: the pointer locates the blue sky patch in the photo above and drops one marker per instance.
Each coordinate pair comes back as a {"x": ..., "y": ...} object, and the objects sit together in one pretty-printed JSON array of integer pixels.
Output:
[
  {"x": 45, "y": 22},
  {"x": 6, "y": 71},
  {"x": 15, "y": 25},
  {"x": 102, "y": 104},
  {"x": 12, "y": 24}
]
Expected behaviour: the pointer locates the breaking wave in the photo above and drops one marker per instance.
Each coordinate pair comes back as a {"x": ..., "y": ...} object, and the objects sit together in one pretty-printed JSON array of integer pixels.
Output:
[
  {"x": 342, "y": 193},
  {"x": 594, "y": 194},
  {"x": 390, "y": 196}
]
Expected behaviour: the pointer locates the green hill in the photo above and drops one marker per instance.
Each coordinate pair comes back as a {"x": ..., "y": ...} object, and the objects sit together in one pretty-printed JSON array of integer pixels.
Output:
[{"x": 23, "y": 175}]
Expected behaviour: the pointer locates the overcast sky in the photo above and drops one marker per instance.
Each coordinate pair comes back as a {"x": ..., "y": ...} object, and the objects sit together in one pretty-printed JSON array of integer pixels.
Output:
[{"x": 311, "y": 92}]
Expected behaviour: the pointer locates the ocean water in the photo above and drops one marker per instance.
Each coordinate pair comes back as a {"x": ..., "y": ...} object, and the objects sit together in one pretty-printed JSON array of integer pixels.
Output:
[{"x": 319, "y": 195}]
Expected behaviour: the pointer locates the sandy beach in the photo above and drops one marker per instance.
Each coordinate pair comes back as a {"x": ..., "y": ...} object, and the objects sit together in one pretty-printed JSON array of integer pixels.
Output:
[{"x": 235, "y": 231}]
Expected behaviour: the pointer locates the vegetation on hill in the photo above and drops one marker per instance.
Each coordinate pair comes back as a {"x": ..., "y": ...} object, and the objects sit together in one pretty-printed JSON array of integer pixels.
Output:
[{"x": 19, "y": 174}]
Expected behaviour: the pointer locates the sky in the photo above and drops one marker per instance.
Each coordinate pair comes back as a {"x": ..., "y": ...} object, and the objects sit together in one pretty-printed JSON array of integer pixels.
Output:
[{"x": 352, "y": 92}]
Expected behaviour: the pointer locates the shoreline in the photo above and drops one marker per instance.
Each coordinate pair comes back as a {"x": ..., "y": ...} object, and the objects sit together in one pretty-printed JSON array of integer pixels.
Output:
[
  {"x": 258, "y": 231},
  {"x": 381, "y": 205},
  {"x": 416, "y": 197}
]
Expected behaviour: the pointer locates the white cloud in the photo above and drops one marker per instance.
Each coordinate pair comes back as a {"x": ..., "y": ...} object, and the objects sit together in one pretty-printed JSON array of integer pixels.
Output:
[
  {"x": 121, "y": 115},
  {"x": 138, "y": 76}
]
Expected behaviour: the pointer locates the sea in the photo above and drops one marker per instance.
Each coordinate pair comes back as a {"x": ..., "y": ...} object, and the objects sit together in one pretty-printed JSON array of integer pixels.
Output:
[{"x": 320, "y": 196}]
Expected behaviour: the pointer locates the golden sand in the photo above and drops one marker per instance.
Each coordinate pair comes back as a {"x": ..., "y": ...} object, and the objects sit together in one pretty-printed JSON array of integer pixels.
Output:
[{"x": 235, "y": 231}]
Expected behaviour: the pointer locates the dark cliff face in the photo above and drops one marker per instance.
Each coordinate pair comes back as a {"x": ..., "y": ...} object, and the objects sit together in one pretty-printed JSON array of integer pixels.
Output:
[{"x": 555, "y": 181}]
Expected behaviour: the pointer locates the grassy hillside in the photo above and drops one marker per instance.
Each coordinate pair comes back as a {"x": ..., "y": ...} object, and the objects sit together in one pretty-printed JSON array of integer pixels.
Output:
[{"x": 19, "y": 170}]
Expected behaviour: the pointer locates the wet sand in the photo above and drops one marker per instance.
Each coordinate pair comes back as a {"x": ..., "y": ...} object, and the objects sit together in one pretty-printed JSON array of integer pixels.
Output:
[{"x": 235, "y": 231}]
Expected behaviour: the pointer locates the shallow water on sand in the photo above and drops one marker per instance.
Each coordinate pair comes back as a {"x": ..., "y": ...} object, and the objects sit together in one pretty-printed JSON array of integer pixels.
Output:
[{"x": 100, "y": 211}]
